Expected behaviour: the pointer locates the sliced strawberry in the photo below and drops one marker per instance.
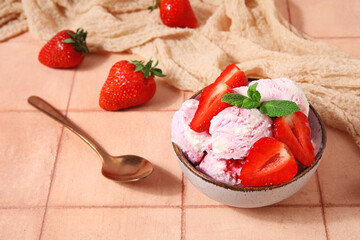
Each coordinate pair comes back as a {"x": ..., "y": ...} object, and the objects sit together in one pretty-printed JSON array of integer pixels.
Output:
[
  {"x": 209, "y": 105},
  {"x": 210, "y": 100},
  {"x": 269, "y": 162},
  {"x": 294, "y": 131},
  {"x": 233, "y": 77}
]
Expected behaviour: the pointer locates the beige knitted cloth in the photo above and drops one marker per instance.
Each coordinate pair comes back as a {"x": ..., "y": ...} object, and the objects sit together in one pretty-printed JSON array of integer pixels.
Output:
[{"x": 250, "y": 33}]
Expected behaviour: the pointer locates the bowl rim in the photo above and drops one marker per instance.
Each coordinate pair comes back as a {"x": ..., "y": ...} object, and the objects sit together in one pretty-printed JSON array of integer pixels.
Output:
[{"x": 210, "y": 180}]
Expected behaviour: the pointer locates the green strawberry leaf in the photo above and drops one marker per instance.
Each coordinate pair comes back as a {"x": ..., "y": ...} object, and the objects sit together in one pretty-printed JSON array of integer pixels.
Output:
[
  {"x": 68, "y": 40},
  {"x": 278, "y": 108},
  {"x": 78, "y": 40},
  {"x": 233, "y": 99},
  {"x": 157, "y": 72},
  {"x": 148, "y": 69}
]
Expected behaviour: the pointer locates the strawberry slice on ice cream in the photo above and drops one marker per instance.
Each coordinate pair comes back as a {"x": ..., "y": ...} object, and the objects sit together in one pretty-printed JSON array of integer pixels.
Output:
[
  {"x": 270, "y": 162},
  {"x": 294, "y": 130},
  {"x": 210, "y": 102}
]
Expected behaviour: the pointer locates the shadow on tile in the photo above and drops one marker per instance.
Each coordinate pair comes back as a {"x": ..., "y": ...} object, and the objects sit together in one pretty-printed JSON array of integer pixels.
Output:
[
  {"x": 160, "y": 182},
  {"x": 93, "y": 61},
  {"x": 166, "y": 97},
  {"x": 260, "y": 223}
]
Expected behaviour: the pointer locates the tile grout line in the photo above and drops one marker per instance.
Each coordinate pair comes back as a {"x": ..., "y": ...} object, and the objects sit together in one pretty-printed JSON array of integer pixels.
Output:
[
  {"x": 288, "y": 10},
  {"x": 176, "y": 206},
  {"x": 87, "y": 110},
  {"x": 55, "y": 162},
  {"x": 182, "y": 225},
  {"x": 322, "y": 205},
  {"x": 70, "y": 93},
  {"x": 51, "y": 182}
]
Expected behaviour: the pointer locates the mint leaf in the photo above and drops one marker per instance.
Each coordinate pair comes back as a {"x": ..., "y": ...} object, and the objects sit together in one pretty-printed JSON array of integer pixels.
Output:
[
  {"x": 278, "y": 108},
  {"x": 256, "y": 96},
  {"x": 233, "y": 99},
  {"x": 253, "y": 93},
  {"x": 250, "y": 103}
]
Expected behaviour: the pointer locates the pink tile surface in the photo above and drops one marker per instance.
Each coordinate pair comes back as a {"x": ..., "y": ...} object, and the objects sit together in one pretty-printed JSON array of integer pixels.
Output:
[
  {"x": 326, "y": 18},
  {"x": 21, "y": 81},
  {"x": 112, "y": 223},
  {"x": 349, "y": 45},
  {"x": 339, "y": 172},
  {"x": 343, "y": 223},
  {"x": 78, "y": 179},
  {"x": 51, "y": 185},
  {"x": 27, "y": 158},
  {"x": 193, "y": 196},
  {"x": 282, "y": 6},
  {"x": 308, "y": 195},
  {"x": 262, "y": 223},
  {"x": 23, "y": 38},
  {"x": 24, "y": 224}
]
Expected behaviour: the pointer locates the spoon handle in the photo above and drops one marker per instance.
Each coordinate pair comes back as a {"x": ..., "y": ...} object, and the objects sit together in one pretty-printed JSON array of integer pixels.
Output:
[{"x": 49, "y": 110}]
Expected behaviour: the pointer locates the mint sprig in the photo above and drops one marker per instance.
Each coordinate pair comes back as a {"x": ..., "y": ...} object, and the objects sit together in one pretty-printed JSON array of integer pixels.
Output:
[{"x": 273, "y": 108}]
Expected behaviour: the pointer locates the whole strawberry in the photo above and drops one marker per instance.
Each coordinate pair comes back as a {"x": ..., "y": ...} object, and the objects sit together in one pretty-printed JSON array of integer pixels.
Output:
[
  {"x": 65, "y": 50},
  {"x": 129, "y": 84},
  {"x": 176, "y": 13}
]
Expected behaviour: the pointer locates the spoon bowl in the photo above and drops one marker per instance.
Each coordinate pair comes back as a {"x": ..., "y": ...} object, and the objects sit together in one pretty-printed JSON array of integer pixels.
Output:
[{"x": 126, "y": 168}]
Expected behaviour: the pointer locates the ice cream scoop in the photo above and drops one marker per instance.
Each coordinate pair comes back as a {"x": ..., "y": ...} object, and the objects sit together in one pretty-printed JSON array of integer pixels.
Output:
[{"x": 278, "y": 89}]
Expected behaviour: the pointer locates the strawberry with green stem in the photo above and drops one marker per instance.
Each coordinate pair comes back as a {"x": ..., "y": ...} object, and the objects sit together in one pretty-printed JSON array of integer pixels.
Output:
[
  {"x": 65, "y": 50},
  {"x": 129, "y": 84},
  {"x": 176, "y": 13}
]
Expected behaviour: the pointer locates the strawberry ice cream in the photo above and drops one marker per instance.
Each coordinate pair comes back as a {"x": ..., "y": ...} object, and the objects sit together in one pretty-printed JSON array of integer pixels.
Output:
[
  {"x": 279, "y": 89},
  {"x": 192, "y": 143},
  {"x": 221, "y": 151},
  {"x": 234, "y": 130},
  {"x": 223, "y": 170}
]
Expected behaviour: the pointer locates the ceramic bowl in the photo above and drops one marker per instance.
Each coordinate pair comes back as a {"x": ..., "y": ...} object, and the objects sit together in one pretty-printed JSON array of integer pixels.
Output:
[{"x": 252, "y": 197}]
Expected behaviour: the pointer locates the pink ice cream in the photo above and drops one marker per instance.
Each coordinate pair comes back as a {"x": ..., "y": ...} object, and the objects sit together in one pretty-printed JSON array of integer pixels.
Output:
[
  {"x": 223, "y": 170},
  {"x": 234, "y": 130},
  {"x": 191, "y": 143},
  {"x": 221, "y": 152},
  {"x": 279, "y": 89}
]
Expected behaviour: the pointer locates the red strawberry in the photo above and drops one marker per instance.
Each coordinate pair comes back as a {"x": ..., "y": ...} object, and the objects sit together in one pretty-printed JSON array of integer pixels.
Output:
[
  {"x": 129, "y": 84},
  {"x": 176, "y": 13},
  {"x": 294, "y": 131},
  {"x": 269, "y": 162},
  {"x": 210, "y": 100},
  {"x": 65, "y": 50}
]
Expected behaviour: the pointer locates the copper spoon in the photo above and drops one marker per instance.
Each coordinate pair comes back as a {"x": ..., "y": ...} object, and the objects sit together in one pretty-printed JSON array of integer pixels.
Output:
[{"x": 125, "y": 168}]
